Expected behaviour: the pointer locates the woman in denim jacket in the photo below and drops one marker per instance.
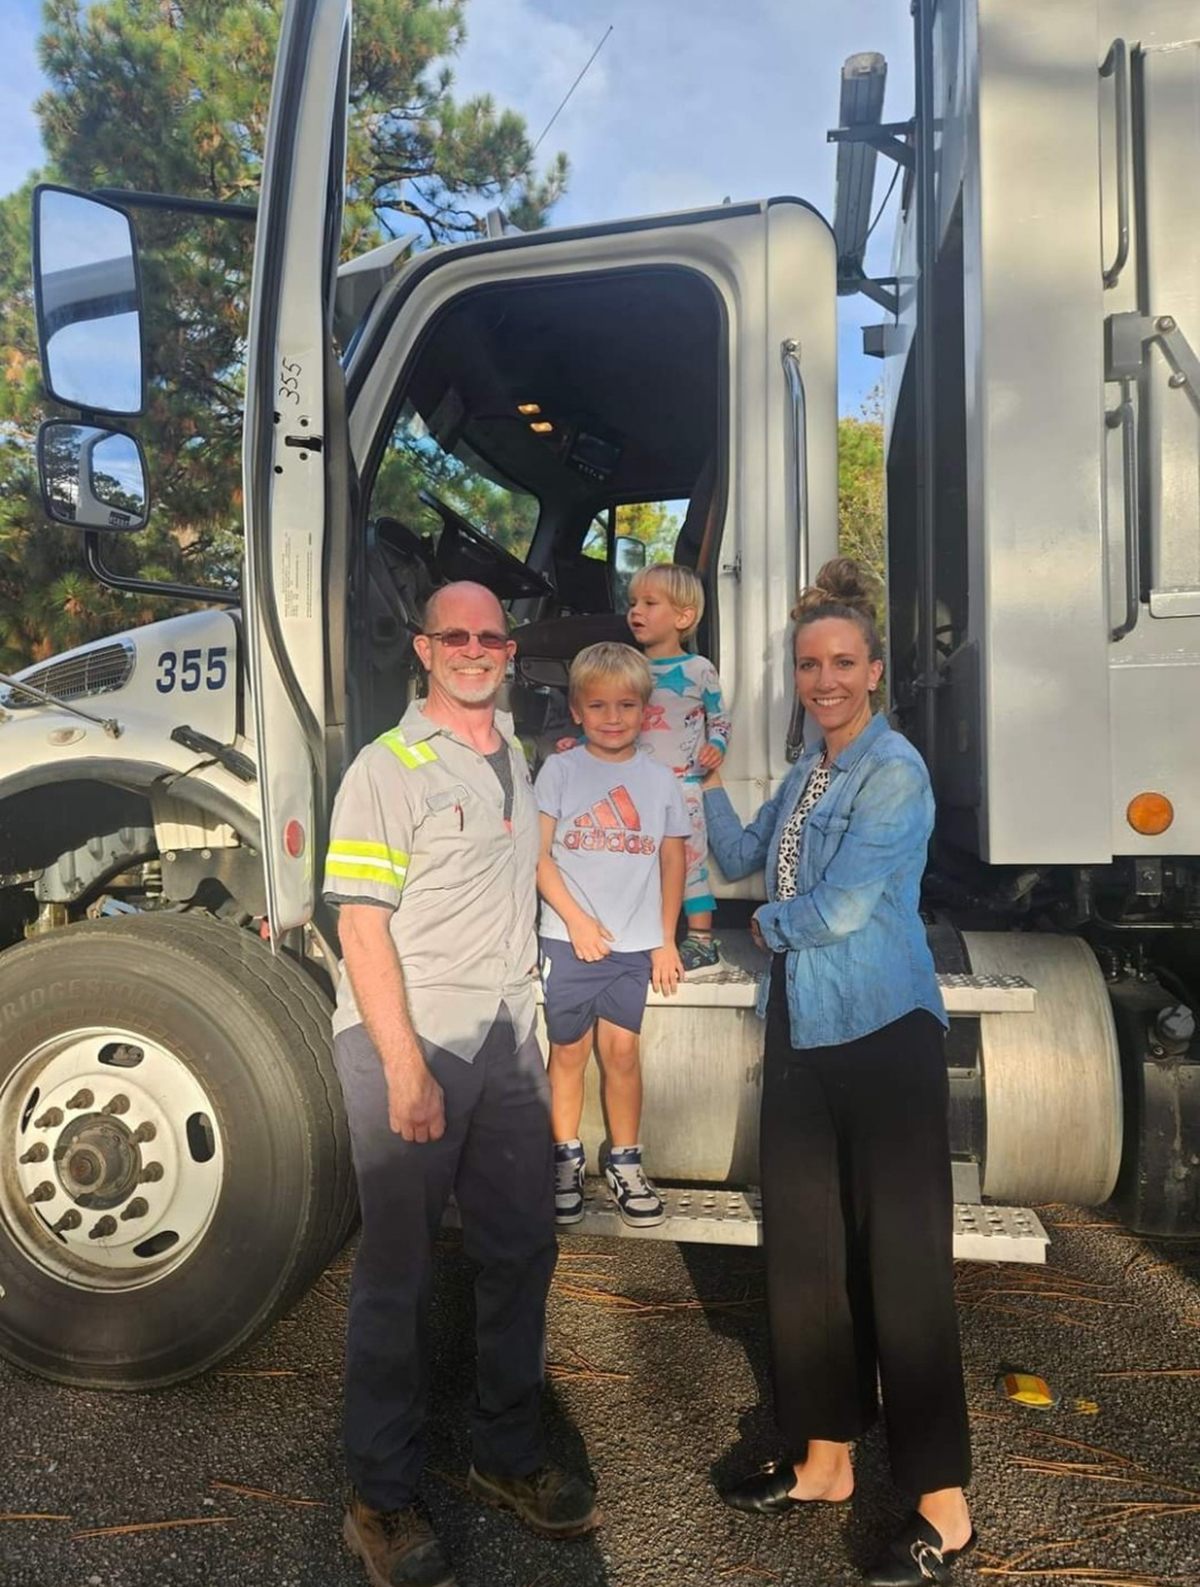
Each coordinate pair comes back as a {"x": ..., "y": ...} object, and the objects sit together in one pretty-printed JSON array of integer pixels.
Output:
[{"x": 854, "y": 1146}]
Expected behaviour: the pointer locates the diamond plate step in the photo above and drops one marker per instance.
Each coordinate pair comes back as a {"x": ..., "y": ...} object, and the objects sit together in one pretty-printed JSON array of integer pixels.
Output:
[{"x": 710, "y": 1215}]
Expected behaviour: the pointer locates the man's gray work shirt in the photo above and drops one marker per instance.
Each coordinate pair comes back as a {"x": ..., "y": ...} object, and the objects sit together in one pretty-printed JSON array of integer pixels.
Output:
[{"x": 418, "y": 827}]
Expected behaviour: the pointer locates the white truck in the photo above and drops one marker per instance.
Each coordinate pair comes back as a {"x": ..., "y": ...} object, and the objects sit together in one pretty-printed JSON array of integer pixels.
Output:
[{"x": 175, "y": 1161}]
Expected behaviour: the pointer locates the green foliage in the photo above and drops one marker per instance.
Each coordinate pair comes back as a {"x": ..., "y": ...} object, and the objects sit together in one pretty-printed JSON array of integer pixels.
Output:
[
  {"x": 654, "y": 524},
  {"x": 861, "y": 487},
  {"x": 172, "y": 96}
]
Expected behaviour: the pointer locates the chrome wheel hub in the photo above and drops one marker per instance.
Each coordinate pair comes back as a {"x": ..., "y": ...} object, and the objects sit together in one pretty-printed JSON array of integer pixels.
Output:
[{"x": 115, "y": 1158}]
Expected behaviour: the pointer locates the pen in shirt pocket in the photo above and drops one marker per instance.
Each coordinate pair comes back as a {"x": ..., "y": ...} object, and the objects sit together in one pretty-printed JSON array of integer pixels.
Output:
[{"x": 459, "y": 813}]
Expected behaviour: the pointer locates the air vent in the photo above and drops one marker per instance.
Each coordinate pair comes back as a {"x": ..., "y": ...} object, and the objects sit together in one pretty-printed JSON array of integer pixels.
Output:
[{"x": 77, "y": 676}]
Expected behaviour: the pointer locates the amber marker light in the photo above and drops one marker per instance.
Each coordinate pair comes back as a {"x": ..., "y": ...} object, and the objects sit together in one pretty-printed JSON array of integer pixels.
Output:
[
  {"x": 1150, "y": 813},
  {"x": 528, "y": 408},
  {"x": 541, "y": 427}
]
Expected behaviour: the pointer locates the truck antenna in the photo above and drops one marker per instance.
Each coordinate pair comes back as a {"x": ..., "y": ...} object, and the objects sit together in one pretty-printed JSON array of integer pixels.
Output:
[
  {"x": 566, "y": 97},
  {"x": 562, "y": 105}
]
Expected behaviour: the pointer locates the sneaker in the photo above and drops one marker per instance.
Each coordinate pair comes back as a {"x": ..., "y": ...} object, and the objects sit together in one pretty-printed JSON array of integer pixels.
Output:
[
  {"x": 699, "y": 953},
  {"x": 398, "y": 1547},
  {"x": 568, "y": 1181},
  {"x": 549, "y": 1500},
  {"x": 639, "y": 1204}
]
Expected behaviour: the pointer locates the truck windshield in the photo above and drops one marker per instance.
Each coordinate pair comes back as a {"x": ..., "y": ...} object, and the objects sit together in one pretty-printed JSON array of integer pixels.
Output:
[{"x": 417, "y": 460}]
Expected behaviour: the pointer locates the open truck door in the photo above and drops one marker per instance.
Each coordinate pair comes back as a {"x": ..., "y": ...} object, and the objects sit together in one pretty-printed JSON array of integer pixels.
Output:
[{"x": 290, "y": 438}]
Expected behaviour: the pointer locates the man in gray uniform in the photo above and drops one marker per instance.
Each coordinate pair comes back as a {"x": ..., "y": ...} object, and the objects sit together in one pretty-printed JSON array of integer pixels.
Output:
[{"x": 432, "y": 864}]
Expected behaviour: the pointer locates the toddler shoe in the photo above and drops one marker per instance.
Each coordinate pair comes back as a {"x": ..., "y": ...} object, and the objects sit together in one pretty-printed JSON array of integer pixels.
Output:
[{"x": 699, "y": 953}]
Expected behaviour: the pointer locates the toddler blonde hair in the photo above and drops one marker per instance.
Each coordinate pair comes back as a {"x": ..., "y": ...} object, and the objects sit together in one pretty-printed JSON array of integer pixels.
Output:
[
  {"x": 609, "y": 661},
  {"x": 680, "y": 585}
]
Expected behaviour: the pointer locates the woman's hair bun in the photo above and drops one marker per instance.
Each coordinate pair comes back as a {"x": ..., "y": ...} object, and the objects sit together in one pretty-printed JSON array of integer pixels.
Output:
[{"x": 841, "y": 582}]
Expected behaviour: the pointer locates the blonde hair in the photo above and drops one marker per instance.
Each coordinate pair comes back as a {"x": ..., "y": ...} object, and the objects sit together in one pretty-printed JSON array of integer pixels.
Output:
[
  {"x": 680, "y": 585},
  {"x": 621, "y": 663},
  {"x": 842, "y": 589}
]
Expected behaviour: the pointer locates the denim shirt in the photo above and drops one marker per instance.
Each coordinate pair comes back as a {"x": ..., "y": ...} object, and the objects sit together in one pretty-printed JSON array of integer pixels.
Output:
[{"x": 857, "y": 955}]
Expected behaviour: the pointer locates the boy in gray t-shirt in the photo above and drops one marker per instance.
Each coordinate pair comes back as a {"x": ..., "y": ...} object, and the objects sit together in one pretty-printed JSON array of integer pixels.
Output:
[{"x": 611, "y": 873}]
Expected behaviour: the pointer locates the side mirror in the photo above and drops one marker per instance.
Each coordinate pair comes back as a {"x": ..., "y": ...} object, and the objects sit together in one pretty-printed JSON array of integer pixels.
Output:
[
  {"x": 629, "y": 557},
  {"x": 85, "y": 278},
  {"x": 92, "y": 478}
]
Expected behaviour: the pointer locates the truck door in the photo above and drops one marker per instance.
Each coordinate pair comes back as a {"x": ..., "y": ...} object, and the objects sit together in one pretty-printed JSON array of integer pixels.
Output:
[{"x": 290, "y": 438}]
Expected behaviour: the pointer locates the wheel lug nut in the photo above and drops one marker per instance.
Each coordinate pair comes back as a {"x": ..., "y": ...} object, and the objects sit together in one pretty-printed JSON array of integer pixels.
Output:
[
  {"x": 49, "y": 1120},
  {"x": 119, "y": 1104},
  {"x": 137, "y": 1208},
  {"x": 81, "y": 1099},
  {"x": 69, "y": 1220},
  {"x": 43, "y": 1192},
  {"x": 102, "y": 1227},
  {"x": 150, "y": 1174},
  {"x": 145, "y": 1132},
  {"x": 37, "y": 1153}
]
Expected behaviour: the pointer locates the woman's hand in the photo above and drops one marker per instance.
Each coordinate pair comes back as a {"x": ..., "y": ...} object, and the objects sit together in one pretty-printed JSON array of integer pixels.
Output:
[{"x": 756, "y": 934}]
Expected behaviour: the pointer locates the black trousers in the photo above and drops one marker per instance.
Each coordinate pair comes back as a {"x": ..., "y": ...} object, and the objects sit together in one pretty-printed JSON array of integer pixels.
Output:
[
  {"x": 857, "y": 1215},
  {"x": 497, "y": 1158}
]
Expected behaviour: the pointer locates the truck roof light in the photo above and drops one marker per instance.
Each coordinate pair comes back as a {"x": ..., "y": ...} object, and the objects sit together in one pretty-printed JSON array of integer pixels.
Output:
[
  {"x": 541, "y": 426},
  {"x": 1150, "y": 813},
  {"x": 529, "y": 407}
]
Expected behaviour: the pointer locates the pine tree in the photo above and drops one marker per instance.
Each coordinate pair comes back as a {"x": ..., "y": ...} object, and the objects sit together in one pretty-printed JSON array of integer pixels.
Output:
[{"x": 172, "y": 96}]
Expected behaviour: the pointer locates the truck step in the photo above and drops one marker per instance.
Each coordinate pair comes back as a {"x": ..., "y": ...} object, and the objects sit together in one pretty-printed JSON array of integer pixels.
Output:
[
  {"x": 735, "y": 983},
  {"x": 710, "y": 1215}
]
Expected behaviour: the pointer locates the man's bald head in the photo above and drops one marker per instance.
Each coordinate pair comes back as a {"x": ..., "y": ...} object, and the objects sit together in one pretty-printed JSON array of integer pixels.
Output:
[{"x": 455, "y": 596}]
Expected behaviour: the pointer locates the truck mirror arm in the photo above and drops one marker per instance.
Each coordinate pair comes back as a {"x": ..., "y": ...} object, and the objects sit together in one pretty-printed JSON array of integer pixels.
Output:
[
  {"x": 176, "y": 204},
  {"x": 179, "y": 592}
]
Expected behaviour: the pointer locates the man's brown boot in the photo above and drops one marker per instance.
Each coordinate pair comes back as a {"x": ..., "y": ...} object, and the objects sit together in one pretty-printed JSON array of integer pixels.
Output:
[
  {"x": 398, "y": 1547},
  {"x": 549, "y": 1500}
]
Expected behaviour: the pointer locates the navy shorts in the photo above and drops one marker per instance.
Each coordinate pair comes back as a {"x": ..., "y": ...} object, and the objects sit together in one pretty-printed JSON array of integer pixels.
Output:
[{"x": 576, "y": 994}]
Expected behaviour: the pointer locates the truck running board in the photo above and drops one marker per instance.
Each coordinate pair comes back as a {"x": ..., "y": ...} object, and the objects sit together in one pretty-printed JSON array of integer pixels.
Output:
[{"x": 710, "y": 1215}]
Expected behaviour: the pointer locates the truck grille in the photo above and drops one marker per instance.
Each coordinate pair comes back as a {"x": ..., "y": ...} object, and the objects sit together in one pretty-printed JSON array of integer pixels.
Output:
[{"x": 75, "y": 677}]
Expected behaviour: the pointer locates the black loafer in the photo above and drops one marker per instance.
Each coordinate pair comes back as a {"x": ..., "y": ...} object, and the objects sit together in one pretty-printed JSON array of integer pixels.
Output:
[
  {"x": 916, "y": 1556},
  {"x": 766, "y": 1492}
]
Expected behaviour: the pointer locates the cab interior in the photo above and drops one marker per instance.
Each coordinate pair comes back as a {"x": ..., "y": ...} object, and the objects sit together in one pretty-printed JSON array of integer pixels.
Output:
[{"x": 548, "y": 437}]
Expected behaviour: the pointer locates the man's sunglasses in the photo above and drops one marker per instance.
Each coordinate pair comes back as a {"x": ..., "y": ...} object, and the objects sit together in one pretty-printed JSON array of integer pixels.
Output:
[{"x": 456, "y": 638}]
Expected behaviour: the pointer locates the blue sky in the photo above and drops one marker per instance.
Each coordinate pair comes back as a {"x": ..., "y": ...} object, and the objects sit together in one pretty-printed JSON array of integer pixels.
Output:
[{"x": 689, "y": 101}]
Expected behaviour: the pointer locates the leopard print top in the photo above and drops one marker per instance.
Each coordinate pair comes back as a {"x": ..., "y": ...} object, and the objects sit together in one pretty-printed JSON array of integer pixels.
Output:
[{"x": 789, "y": 838}]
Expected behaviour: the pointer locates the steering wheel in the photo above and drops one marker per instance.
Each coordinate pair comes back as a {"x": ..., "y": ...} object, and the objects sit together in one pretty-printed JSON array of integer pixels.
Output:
[{"x": 464, "y": 552}]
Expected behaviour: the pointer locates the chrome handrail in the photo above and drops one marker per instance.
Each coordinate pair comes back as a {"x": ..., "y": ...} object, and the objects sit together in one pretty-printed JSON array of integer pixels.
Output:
[
  {"x": 1116, "y": 66},
  {"x": 1126, "y": 416},
  {"x": 789, "y": 353}
]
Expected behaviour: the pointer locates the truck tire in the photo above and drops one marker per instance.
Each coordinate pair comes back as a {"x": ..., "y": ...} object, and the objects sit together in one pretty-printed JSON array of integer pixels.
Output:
[{"x": 174, "y": 1160}]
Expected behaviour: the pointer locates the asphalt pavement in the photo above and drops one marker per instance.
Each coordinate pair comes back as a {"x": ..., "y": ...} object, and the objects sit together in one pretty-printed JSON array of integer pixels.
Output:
[{"x": 658, "y": 1367}]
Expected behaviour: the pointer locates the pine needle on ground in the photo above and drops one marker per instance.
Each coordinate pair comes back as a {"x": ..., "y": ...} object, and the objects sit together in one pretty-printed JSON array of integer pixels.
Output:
[
  {"x": 267, "y": 1493},
  {"x": 130, "y": 1527}
]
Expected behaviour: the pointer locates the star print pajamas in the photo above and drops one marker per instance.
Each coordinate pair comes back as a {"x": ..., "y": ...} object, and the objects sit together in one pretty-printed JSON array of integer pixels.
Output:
[{"x": 686, "y": 712}]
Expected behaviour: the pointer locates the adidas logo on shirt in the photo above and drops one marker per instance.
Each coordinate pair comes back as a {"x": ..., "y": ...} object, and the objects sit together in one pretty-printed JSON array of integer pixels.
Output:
[{"x": 611, "y": 825}]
